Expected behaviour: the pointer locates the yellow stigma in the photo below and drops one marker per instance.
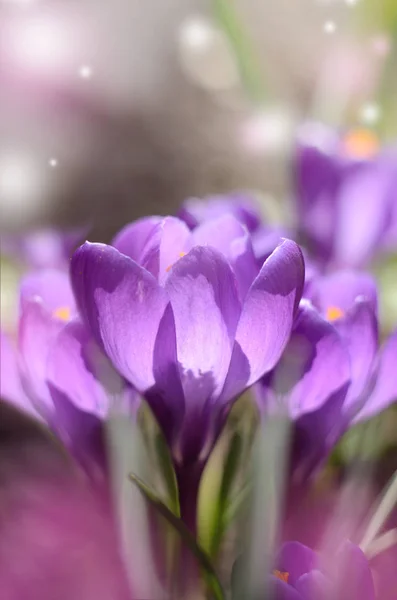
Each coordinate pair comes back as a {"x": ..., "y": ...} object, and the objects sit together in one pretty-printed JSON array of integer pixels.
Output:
[
  {"x": 361, "y": 143},
  {"x": 334, "y": 313},
  {"x": 63, "y": 313},
  {"x": 181, "y": 254},
  {"x": 283, "y": 575}
]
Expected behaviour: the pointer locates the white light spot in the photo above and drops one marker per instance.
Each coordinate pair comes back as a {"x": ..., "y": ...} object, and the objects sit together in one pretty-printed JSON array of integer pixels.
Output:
[
  {"x": 268, "y": 132},
  {"x": 351, "y": 2},
  {"x": 41, "y": 44},
  {"x": 370, "y": 113},
  {"x": 381, "y": 45},
  {"x": 53, "y": 162},
  {"x": 329, "y": 27},
  {"x": 196, "y": 32},
  {"x": 22, "y": 186},
  {"x": 85, "y": 72}
]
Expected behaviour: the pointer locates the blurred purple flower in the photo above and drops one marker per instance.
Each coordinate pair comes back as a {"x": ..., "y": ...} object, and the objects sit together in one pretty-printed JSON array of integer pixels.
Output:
[
  {"x": 332, "y": 373},
  {"x": 346, "y": 197},
  {"x": 58, "y": 537},
  {"x": 195, "y": 211},
  {"x": 57, "y": 373},
  {"x": 302, "y": 574},
  {"x": 264, "y": 238},
  {"x": 43, "y": 248},
  {"x": 190, "y": 331}
]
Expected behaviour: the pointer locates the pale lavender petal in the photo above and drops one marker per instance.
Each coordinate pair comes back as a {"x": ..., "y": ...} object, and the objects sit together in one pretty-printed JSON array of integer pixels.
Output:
[
  {"x": 340, "y": 290},
  {"x": 385, "y": 390},
  {"x": 132, "y": 238},
  {"x": 204, "y": 298},
  {"x": 353, "y": 574},
  {"x": 79, "y": 369},
  {"x": 267, "y": 317},
  {"x": 166, "y": 244},
  {"x": 359, "y": 330},
  {"x": 314, "y": 586},
  {"x": 362, "y": 213},
  {"x": 242, "y": 206},
  {"x": 37, "y": 332},
  {"x": 232, "y": 239},
  {"x": 314, "y": 365},
  {"x": 52, "y": 288},
  {"x": 280, "y": 590},
  {"x": 11, "y": 388},
  {"x": 123, "y": 306}
]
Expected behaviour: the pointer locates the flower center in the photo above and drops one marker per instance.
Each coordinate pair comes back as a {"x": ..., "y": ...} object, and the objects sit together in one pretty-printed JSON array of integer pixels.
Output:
[
  {"x": 63, "y": 313},
  {"x": 334, "y": 313},
  {"x": 283, "y": 575},
  {"x": 181, "y": 254},
  {"x": 361, "y": 143}
]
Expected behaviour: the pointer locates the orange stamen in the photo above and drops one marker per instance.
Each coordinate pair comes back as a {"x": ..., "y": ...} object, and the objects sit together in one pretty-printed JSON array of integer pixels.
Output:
[
  {"x": 361, "y": 143},
  {"x": 283, "y": 575},
  {"x": 334, "y": 313},
  {"x": 181, "y": 254},
  {"x": 63, "y": 313}
]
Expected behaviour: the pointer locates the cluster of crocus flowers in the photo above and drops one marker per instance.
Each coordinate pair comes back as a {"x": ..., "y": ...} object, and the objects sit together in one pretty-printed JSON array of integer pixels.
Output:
[{"x": 185, "y": 315}]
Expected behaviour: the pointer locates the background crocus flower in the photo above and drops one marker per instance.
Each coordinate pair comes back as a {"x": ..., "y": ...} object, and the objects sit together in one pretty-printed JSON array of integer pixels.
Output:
[
  {"x": 346, "y": 198},
  {"x": 157, "y": 243},
  {"x": 264, "y": 237},
  {"x": 56, "y": 372},
  {"x": 195, "y": 211},
  {"x": 43, "y": 248},
  {"x": 189, "y": 345},
  {"x": 302, "y": 574},
  {"x": 331, "y": 374}
]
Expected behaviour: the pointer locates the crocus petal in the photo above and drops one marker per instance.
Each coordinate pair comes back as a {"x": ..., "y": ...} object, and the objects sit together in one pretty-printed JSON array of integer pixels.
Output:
[
  {"x": 296, "y": 560},
  {"x": 10, "y": 382},
  {"x": 339, "y": 291},
  {"x": 242, "y": 206},
  {"x": 359, "y": 330},
  {"x": 353, "y": 574},
  {"x": 37, "y": 331},
  {"x": 313, "y": 586},
  {"x": 317, "y": 432},
  {"x": 168, "y": 241},
  {"x": 204, "y": 298},
  {"x": 52, "y": 288},
  {"x": 132, "y": 238},
  {"x": 267, "y": 317},
  {"x": 318, "y": 176},
  {"x": 231, "y": 238},
  {"x": 123, "y": 306},
  {"x": 78, "y": 368},
  {"x": 314, "y": 364},
  {"x": 385, "y": 390},
  {"x": 279, "y": 590},
  {"x": 359, "y": 230}
]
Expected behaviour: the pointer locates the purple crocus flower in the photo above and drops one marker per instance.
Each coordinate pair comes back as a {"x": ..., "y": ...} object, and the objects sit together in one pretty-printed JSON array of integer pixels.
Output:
[
  {"x": 57, "y": 373},
  {"x": 195, "y": 211},
  {"x": 183, "y": 332},
  {"x": 332, "y": 373},
  {"x": 43, "y": 248},
  {"x": 245, "y": 210},
  {"x": 187, "y": 339},
  {"x": 302, "y": 574},
  {"x": 346, "y": 199}
]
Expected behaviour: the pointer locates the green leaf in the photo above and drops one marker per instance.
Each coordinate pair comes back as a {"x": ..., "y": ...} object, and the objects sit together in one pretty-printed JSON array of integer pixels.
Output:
[
  {"x": 246, "y": 57},
  {"x": 186, "y": 536}
]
